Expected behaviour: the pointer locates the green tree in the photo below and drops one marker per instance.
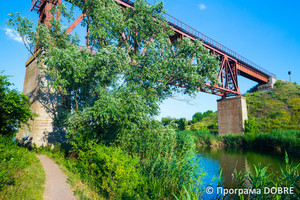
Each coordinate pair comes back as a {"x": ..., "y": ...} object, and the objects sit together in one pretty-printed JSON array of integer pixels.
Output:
[
  {"x": 131, "y": 69},
  {"x": 111, "y": 91},
  {"x": 167, "y": 120},
  {"x": 197, "y": 117},
  {"x": 14, "y": 108}
]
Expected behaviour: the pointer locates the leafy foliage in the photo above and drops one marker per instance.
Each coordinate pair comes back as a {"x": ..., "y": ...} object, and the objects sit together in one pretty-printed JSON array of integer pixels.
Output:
[
  {"x": 128, "y": 69},
  {"x": 207, "y": 123},
  {"x": 111, "y": 171},
  {"x": 197, "y": 117},
  {"x": 250, "y": 126},
  {"x": 111, "y": 90},
  {"x": 178, "y": 124},
  {"x": 14, "y": 108}
]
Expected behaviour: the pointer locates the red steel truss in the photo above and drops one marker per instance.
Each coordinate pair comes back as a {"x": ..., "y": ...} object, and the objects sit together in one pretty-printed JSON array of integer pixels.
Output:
[{"x": 231, "y": 63}]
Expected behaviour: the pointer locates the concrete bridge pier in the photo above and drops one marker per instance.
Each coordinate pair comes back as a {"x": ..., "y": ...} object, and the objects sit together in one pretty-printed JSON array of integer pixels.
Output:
[
  {"x": 232, "y": 112},
  {"x": 44, "y": 102}
]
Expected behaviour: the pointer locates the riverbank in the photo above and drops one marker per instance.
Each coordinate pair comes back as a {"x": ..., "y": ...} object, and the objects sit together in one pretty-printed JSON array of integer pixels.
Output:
[{"x": 277, "y": 141}]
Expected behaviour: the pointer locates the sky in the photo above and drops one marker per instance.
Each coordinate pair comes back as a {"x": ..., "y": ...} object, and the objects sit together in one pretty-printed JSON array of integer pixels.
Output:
[{"x": 265, "y": 32}]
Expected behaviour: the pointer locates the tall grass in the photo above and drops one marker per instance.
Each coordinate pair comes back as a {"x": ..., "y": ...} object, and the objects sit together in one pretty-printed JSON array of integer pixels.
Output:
[
  {"x": 166, "y": 161},
  {"x": 260, "y": 179},
  {"x": 203, "y": 138},
  {"x": 21, "y": 173},
  {"x": 157, "y": 163},
  {"x": 278, "y": 140}
]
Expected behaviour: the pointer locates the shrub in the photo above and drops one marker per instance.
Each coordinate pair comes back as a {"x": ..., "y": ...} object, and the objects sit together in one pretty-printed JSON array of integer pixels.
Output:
[
  {"x": 14, "y": 108},
  {"x": 250, "y": 126},
  {"x": 111, "y": 171},
  {"x": 197, "y": 117}
]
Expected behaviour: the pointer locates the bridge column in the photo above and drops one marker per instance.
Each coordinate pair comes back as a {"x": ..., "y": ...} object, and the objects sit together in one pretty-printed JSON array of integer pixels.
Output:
[
  {"x": 232, "y": 112},
  {"x": 43, "y": 101}
]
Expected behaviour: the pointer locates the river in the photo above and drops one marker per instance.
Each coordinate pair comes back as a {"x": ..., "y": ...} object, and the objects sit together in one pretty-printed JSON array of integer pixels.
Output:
[{"x": 211, "y": 160}]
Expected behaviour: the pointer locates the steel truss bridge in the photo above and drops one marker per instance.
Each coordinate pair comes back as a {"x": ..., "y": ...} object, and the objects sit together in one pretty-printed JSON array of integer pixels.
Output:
[{"x": 232, "y": 64}]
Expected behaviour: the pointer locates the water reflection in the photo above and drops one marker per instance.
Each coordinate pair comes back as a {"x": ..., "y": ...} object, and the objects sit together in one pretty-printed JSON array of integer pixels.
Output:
[{"x": 211, "y": 160}]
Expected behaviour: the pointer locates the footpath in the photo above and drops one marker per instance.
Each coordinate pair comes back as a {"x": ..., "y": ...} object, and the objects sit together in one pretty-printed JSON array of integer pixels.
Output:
[{"x": 56, "y": 187}]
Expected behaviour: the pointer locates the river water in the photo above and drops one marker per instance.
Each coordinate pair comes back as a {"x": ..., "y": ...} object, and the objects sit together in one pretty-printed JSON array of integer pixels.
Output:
[{"x": 211, "y": 160}]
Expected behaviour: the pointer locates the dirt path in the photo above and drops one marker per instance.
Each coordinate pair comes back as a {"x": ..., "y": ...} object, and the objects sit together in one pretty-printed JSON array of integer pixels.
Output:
[{"x": 56, "y": 187}]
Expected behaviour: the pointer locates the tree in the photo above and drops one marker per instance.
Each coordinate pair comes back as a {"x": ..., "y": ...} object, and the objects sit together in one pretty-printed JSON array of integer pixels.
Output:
[
  {"x": 197, "y": 117},
  {"x": 111, "y": 90},
  {"x": 14, "y": 108},
  {"x": 129, "y": 68},
  {"x": 179, "y": 124}
]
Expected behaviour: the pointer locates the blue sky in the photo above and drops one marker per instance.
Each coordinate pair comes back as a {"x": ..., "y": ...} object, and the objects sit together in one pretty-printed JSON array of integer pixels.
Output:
[{"x": 265, "y": 32}]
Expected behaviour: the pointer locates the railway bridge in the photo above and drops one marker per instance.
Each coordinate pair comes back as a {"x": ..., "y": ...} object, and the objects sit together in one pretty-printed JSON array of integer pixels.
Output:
[{"x": 232, "y": 109}]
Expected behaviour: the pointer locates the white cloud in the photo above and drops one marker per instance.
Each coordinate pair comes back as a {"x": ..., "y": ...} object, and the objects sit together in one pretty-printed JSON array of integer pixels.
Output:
[
  {"x": 12, "y": 34},
  {"x": 202, "y": 6}
]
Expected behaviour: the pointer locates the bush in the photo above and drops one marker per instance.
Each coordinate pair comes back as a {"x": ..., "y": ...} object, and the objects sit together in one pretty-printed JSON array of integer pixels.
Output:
[
  {"x": 178, "y": 124},
  {"x": 112, "y": 172},
  {"x": 197, "y": 117},
  {"x": 250, "y": 126},
  {"x": 14, "y": 108}
]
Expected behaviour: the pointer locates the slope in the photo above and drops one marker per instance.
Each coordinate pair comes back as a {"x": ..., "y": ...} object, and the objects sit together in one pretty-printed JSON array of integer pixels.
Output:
[{"x": 276, "y": 109}]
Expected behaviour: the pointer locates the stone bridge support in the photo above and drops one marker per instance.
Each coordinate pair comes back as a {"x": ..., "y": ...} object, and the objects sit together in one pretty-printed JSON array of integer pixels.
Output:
[
  {"x": 232, "y": 112},
  {"x": 44, "y": 102}
]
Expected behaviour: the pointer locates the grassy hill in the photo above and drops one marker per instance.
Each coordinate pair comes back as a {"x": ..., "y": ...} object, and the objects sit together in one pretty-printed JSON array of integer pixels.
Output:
[
  {"x": 209, "y": 123},
  {"x": 277, "y": 109}
]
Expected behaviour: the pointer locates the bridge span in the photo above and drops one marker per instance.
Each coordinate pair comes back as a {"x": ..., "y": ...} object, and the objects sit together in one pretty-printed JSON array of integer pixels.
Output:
[{"x": 232, "y": 64}]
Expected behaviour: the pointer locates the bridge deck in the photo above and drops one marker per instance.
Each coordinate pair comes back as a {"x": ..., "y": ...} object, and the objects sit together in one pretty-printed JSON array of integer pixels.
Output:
[{"x": 246, "y": 68}]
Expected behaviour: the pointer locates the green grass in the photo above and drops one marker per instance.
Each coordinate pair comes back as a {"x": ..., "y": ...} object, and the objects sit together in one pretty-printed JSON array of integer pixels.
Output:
[
  {"x": 276, "y": 140},
  {"x": 277, "y": 109},
  {"x": 156, "y": 168},
  {"x": 21, "y": 173},
  {"x": 82, "y": 190},
  {"x": 209, "y": 123}
]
